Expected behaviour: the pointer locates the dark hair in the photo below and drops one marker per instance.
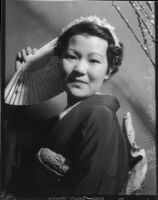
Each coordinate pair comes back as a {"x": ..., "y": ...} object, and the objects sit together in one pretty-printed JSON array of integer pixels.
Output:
[{"x": 114, "y": 53}]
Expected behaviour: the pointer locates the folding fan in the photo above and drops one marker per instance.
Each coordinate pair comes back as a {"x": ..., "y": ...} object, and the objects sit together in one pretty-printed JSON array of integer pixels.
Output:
[{"x": 36, "y": 80}]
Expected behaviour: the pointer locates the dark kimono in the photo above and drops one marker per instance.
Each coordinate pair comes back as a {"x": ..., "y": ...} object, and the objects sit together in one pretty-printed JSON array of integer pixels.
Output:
[{"x": 90, "y": 137}]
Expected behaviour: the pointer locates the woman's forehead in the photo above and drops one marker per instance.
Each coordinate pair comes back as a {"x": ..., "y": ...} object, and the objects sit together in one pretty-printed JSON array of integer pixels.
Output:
[{"x": 88, "y": 43}]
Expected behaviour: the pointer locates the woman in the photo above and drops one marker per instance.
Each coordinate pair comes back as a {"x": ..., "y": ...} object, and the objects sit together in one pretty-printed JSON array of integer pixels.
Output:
[{"x": 87, "y": 133}]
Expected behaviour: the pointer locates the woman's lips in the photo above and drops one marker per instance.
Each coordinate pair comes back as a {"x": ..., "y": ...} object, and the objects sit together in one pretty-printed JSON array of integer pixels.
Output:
[{"x": 78, "y": 81}]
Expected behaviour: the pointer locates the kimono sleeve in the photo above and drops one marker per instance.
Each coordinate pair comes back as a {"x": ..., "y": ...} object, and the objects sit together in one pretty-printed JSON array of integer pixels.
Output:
[{"x": 97, "y": 153}]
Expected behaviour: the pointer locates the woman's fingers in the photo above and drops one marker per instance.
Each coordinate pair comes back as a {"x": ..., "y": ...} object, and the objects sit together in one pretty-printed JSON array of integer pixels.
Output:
[
  {"x": 17, "y": 65},
  {"x": 19, "y": 56},
  {"x": 28, "y": 50},
  {"x": 24, "y": 55},
  {"x": 34, "y": 50},
  {"x": 18, "y": 60}
]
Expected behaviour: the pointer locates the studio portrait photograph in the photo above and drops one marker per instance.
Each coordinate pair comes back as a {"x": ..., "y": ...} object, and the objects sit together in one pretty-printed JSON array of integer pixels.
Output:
[{"x": 79, "y": 103}]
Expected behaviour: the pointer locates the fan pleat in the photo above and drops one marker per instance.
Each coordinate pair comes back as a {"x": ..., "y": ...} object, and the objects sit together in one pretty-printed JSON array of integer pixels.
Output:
[
  {"x": 22, "y": 89},
  {"x": 11, "y": 83},
  {"x": 25, "y": 88},
  {"x": 53, "y": 79},
  {"x": 54, "y": 73},
  {"x": 28, "y": 87},
  {"x": 30, "y": 94},
  {"x": 43, "y": 87},
  {"x": 29, "y": 98},
  {"x": 38, "y": 86},
  {"x": 34, "y": 89},
  {"x": 19, "y": 90},
  {"x": 54, "y": 76},
  {"x": 47, "y": 83},
  {"x": 14, "y": 94},
  {"x": 10, "y": 87}
]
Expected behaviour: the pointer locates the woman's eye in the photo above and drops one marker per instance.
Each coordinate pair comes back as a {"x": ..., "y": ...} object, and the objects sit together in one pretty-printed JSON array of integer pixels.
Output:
[
  {"x": 69, "y": 56},
  {"x": 94, "y": 61}
]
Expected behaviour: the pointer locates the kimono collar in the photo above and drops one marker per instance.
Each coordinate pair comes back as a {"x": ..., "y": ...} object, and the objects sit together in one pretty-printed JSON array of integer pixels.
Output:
[
  {"x": 107, "y": 100},
  {"x": 96, "y": 99}
]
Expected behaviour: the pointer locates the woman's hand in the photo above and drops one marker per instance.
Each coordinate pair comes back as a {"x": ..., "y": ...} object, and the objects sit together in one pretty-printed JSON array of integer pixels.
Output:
[{"x": 22, "y": 56}]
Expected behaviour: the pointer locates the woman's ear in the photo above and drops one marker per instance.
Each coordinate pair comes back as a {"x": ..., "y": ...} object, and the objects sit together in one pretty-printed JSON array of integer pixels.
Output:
[
  {"x": 108, "y": 74},
  {"x": 106, "y": 77}
]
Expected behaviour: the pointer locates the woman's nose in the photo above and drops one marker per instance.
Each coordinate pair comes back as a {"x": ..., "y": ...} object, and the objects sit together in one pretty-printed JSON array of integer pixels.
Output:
[{"x": 81, "y": 66}]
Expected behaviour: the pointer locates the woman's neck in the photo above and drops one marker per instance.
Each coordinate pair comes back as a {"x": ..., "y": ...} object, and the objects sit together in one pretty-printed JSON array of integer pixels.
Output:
[{"x": 72, "y": 101}]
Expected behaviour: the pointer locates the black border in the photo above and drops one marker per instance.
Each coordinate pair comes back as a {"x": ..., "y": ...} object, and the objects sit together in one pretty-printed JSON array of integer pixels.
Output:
[
  {"x": 2, "y": 50},
  {"x": 156, "y": 85},
  {"x": 2, "y": 86}
]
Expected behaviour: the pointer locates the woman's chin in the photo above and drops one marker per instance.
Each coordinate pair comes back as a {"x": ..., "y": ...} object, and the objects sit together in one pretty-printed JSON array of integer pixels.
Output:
[{"x": 78, "y": 93}]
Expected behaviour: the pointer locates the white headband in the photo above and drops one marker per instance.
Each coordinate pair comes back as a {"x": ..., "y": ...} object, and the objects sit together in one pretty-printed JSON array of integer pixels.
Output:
[{"x": 97, "y": 21}]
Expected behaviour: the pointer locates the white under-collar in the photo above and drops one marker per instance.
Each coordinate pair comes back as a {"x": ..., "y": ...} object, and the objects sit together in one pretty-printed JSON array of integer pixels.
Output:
[{"x": 62, "y": 114}]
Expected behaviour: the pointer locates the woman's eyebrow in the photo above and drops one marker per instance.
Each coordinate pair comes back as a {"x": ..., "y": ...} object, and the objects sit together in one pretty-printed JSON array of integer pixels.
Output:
[
  {"x": 74, "y": 51},
  {"x": 90, "y": 54},
  {"x": 97, "y": 53}
]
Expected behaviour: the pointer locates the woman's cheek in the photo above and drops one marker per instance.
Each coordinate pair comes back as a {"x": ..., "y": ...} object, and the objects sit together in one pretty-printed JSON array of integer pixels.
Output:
[
  {"x": 97, "y": 73},
  {"x": 67, "y": 67}
]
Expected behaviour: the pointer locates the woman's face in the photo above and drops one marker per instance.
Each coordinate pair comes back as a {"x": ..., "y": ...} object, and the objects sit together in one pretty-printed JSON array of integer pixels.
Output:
[{"x": 84, "y": 65}]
